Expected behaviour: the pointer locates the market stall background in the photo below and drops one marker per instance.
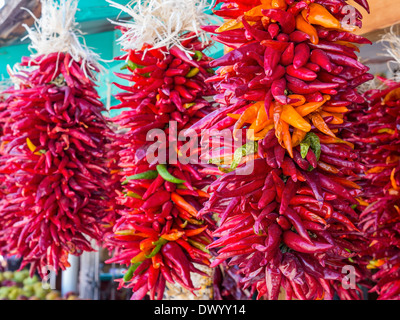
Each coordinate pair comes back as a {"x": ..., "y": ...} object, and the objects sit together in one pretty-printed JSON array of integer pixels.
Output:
[{"x": 100, "y": 35}]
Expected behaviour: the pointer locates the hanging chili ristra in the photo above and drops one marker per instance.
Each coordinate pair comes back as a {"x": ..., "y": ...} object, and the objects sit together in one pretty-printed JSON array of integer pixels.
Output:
[
  {"x": 159, "y": 236},
  {"x": 376, "y": 136},
  {"x": 283, "y": 61},
  {"x": 54, "y": 149}
]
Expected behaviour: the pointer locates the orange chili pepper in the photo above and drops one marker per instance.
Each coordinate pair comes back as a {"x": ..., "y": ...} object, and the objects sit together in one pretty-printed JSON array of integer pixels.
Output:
[
  {"x": 257, "y": 11},
  {"x": 249, "y": 116},
  {"x": 319, "y": 15},
  {"x": 262, "y": 119},
  {"x": 330, "y": 140},
  {"x": 348, "y": 44},
  {"x": 336, "y": 119},
  {"x": 393, "y": 95},
  {"x": 376, "y": 170},
  {"x": 393, "y": 180},
  {"x": 328, "y": 168},
  {"x": 320, "y": 124},
  {"x": 260, "y": 135},
  {"x": 392, "y": 159},
  {"x": 335, "y": 109},
  {"x": 195, "y": 232},
  {"x": 279, "y": 4},
  {"x": 157, "y": 261},
  {"x": 234, "y": 116},
  {"x": 139, "y": 258},
  {"x": 225, "y": 70},
  {"x": 346, "y": 182},
  {"x": 310, "y": 107},
  {"x": 147, "y": 244},
  {"x": 184, "y": 214},
  {"x": 180, "y": 202},
  {"x": 287, "y": 138},
  {"x": 303, "y": 25},
  {"x": 297, "y": 97},
  {"x": 173, "y": 235},
  {"x": 297, "y": 137},
  {"x": 292, "y": 117},
  {"x": 203, "y": 194},
  {"x": 277, "y": 121}
]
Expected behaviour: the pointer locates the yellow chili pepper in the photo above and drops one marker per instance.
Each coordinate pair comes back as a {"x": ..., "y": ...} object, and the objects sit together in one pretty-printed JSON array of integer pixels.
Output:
[
  {"x": 230, "y": 25},
  {"x": 387, "y": 130},
  {"x": 32, "y": 147},
  {"x": 306, "y": 27},
  {"x": 320, "y": 124},
  {"x": 319, "y": 15},
  {"x": 292, "y": 117}
]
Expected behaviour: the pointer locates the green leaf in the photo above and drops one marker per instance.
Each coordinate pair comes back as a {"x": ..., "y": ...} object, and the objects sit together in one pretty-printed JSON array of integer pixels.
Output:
[{"x": 245, "y": 150}]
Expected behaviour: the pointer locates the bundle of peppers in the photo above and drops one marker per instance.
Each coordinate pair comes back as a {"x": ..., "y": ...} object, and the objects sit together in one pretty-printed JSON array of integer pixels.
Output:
[
  {"x": 289, "y": 76},
  {"x": 54, "y": 163},
  {"x": 376, "y": 135},
  {"x": 158, "y": 234}
]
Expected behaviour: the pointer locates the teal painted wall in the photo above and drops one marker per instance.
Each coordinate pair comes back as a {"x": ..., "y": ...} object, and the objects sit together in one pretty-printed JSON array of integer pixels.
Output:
[{"x": 103, "y": 43}]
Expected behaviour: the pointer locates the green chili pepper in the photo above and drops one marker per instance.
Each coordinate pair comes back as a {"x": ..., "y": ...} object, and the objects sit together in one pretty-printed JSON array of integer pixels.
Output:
[
  {"x": 198, "y": 245},
  {"x": 148, "y": 175},
  {"x": 129, "y": 274},
  {"x": 134, "y": 66},
  {"x": 198, "y": 55},
  {"x": 159, "y": 244},
  {"x": 133, "y": 195},
  {"x": 192, "y": 73},
  {"x": 163, "y": 171}
]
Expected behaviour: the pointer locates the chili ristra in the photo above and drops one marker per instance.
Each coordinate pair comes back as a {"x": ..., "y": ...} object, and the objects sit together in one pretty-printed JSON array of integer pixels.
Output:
[
  {"x": 284, "y": 82},
  {"x": 159, "y": 226}
]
